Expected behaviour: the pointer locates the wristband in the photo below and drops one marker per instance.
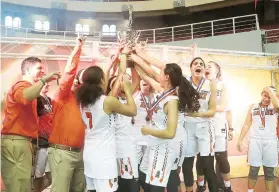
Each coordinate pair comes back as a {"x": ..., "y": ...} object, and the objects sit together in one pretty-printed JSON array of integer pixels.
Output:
[
  {"x": 43, "y": 81},
  {"x": 231, "y": 129},
  {"x": 124, "y": 54}
]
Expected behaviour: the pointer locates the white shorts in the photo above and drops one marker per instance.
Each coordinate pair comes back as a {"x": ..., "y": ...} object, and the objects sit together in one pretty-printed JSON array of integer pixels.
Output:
[
  {"x": 140, "y": 152},
  {"x": 161, "y": 160},
  {"x": 42, "y": 165},
  {"x": 221, "y": 136},
  {"x": 101, "y": 185},
  {"x": 200, "y": 139},
  {"x": 128, "y": 167},
  {"x": 179, "y": 154},
  {"x": 263, "y": 152},
  {"x": 221, "y": 144}
]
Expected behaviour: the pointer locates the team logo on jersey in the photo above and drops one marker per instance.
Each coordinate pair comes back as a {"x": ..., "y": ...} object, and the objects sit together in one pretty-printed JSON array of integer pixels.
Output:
[
  {"x": 256, "y": 111},
  {"x": 203, "y": 94}
]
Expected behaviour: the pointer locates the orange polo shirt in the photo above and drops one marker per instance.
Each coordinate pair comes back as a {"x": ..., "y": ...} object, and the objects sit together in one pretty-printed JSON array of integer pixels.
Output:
[
  {"x": 20, "y": 115},
  {"x": 67, "y": 125}
]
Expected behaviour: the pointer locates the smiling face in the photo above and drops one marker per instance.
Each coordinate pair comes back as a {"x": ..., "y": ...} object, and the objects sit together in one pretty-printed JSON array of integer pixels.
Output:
[
  {"x": 197, "y": 68},
  {"x": 265, "y": 100},
  {"x": 36, "y": 71}
]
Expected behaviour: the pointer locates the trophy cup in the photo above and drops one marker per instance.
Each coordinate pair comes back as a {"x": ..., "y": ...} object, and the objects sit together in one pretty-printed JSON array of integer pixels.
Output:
[{"x": 129, "y": 35}]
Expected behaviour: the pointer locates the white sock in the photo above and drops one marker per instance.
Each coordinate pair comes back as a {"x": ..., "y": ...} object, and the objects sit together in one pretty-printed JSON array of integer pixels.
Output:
[
  {"x": 201, "y": 182},
  {"x": 250, "y": 190},
  {"x": 227, "y": 183}
]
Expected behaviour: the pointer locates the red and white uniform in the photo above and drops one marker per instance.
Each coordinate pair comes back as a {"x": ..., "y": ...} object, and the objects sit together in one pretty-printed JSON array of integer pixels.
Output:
[
  {"x": 126, "y": 147},
  {"x": 99, "y": 155},
  {"x": 263, "y": 138},
  {"x": 200, "y": 131},
  {"x": 160, "y": 156}
]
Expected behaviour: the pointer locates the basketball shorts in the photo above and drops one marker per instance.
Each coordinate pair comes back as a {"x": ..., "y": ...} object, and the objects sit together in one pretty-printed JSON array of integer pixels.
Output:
[
  {"x": 263, "y": 152},
  {"x": 41, "y": 165},
  {"x": 128, "y": 167},
  {"x": 200, "y": 139},
  {"x": 160, "y": 163},
  {"x": 221, "y": 136},
  {"x": 101, "y": 185}
]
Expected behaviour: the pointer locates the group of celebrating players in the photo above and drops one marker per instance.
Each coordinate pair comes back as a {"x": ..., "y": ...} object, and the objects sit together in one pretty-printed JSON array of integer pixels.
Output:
[{"x": 106, "y": 130}]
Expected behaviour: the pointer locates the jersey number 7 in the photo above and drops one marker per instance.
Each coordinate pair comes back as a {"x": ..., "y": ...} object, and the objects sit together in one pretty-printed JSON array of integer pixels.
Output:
[{"x": 89, "y": 116}]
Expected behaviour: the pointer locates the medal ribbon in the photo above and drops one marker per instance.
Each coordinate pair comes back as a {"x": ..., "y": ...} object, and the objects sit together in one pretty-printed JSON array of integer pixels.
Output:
[
  {"x": 262, "y": 114},
  {"x": 163, "y": 96},
  {"x": 200, "y": 83},
  {"x": 146, "y": 105}
]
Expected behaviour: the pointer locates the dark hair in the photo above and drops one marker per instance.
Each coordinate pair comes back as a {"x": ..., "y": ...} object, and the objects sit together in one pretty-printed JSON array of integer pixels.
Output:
[
  {"x": 78, "y": 76},
  {"x": 89, "y": 91},
  {"x": 28, "y": 63},
  {"x": 188, "y": 96},
  {"x": 195, "y": 60},
  {"x": 109, "y": 84},
  {"x": 219, "y": 70}
]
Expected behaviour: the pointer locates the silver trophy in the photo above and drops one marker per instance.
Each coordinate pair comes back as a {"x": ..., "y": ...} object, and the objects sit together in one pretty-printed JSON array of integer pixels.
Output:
[{"x": 129, "y": 35}]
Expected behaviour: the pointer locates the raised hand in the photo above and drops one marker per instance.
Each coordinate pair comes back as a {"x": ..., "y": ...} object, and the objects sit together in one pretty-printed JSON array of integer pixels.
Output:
[
  {"x": 80, "y": 40},
  {"x": 51, "y": 76}
]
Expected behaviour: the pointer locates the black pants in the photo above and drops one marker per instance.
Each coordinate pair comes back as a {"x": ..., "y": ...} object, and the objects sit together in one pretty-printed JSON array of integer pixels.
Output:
[
  {"x": 173, "y": 182},
  {"x": 147, "y": 187},
  {"x": 131, "y": 185},
  {"x": 222, "y": 164},
  {"x": 205, "y": 166}
]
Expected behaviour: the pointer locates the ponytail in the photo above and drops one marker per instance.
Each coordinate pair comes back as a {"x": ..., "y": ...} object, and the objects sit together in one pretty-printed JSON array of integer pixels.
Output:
[
  {"x": 188, "y": 96},
  {"x": 87, "y": 94}
]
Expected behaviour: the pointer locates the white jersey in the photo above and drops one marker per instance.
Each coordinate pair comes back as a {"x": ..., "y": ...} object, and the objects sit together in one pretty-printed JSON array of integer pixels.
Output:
[
  {"x": 268, "y": 130},
  {"x": 140, "y": 119},
  {"x": 204, "y": 95},
  {"x": 99, "y": 153},
  {"x": 159, "y": 120},
  {"x": 125, "y": 138}
]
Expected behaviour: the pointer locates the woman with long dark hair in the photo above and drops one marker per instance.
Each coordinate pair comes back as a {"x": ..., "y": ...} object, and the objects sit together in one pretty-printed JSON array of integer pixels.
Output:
[
  {"x": 200, "y": 133},
  {"x": 164, "y": 142},
  {"x": 213, "y": 73},
  {"x": 98, "y": 113}
]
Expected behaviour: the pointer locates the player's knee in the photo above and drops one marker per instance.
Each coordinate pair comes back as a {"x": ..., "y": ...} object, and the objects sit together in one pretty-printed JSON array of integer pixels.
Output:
[
  {"x": 224, "y": 165},
  {"x": 269, "y": 173},
  {"x": 253, "y": 173}
]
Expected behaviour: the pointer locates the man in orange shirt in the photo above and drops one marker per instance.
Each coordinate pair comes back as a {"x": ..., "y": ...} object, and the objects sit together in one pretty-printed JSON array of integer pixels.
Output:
[
  {"x": 68, "y": 131},
  {"x": 20, "y": 126}
]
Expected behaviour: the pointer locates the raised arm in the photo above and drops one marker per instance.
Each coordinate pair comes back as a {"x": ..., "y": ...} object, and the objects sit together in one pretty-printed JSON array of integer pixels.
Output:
[
  {"x": 147, "y": 68},
  {"x": 154, "y": 84},
  {"x": 245, "y": 128},
  {"x": 113, "y": 105},
  {"x": 170, "y": 131},
  {"x": 153, "y": 61},
  {"x": 135, "y": 80},
  {"x": 273, "y": 97},
  {"x": 25, "y": 93},
  {"x": 70, "y": 70}
]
